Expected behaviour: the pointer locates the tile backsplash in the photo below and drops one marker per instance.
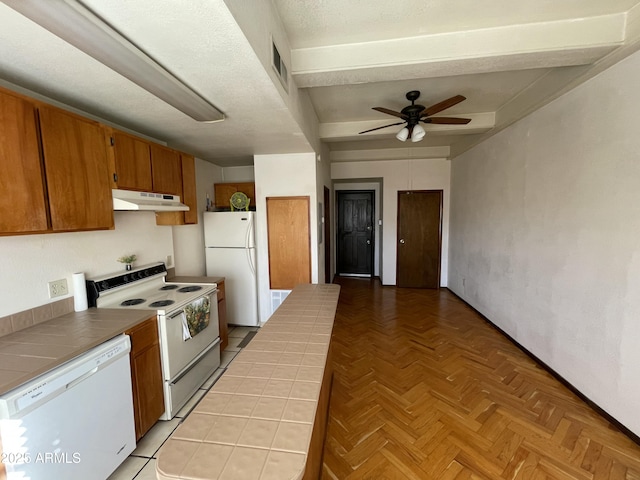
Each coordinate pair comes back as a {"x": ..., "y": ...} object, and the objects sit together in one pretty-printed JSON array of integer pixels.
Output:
[{"x": 21, "y": 320}]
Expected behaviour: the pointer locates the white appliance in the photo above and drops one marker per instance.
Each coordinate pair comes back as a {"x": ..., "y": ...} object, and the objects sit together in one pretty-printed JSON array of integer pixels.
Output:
[
  {"x": 188, "y": 357},
  {"x": 230, "y": 252},
  {"x": 156, "y": 202},
  {"x": 74, "y": 422}
]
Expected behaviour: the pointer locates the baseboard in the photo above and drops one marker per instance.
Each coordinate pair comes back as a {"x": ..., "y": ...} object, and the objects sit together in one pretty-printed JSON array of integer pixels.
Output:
[{"x": 555, "y": 374}]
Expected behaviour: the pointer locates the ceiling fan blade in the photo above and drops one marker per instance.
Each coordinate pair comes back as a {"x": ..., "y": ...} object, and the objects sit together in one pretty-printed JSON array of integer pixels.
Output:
[
  {"x": 378, "y": 128},
  {"x": 446, "y": 120},
  {"x": 438, "y": 107},
  {"x": 390, "y": 112}
]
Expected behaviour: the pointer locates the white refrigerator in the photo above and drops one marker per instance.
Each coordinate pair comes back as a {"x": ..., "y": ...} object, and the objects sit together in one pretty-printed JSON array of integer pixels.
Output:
[{"x": 230, "y": 252}]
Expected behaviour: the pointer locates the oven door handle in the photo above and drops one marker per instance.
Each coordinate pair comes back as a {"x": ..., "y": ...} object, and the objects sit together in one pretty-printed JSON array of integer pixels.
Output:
[{"x": 195, "y": 361}]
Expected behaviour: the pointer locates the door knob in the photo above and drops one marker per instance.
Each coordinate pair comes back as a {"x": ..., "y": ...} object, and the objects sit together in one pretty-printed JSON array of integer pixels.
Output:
[
  {"x": 368, "y": 242},
  {"x": 402, "y": 241}
]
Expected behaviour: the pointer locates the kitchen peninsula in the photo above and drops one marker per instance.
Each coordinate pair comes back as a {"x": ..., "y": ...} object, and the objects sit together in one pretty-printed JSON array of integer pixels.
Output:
[{"x": 265, "y": 418}]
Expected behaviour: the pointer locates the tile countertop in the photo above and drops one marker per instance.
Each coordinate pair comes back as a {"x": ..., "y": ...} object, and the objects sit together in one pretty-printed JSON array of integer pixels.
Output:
[
  {"x": 256, "y": 421},
  {"x": 192, "y": 279},
  {"x": 35, "y": 350}
]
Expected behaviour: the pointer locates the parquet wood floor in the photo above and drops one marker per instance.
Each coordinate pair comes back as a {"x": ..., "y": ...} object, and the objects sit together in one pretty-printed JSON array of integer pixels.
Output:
[{"x": 425, "y": 389}]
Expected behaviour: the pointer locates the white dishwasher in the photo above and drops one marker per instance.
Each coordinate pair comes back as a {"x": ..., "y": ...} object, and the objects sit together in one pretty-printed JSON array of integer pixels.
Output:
[{"x": 74, "y": 422}]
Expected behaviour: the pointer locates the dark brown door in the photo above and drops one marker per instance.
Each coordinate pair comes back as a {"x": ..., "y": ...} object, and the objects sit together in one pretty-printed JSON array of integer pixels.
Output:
[
  {"x": 419, "y": 239},
  {"x": 355, "y": 233},
  {"x": 327, "y": 237}
]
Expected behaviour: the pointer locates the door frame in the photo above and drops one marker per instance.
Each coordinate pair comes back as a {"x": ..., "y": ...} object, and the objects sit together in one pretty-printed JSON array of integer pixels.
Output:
[
  {"x": 377, "y": 185},
  {"x": 440, "y": 226},
  {"x": 338, "y": 193},
  {"x": 326, "y": 225}
]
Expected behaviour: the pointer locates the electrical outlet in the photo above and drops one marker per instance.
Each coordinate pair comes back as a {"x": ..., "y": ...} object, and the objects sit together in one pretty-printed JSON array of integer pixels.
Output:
[
  {"x": 57, "y": 288},
  {"x": 168, "y": 261}
]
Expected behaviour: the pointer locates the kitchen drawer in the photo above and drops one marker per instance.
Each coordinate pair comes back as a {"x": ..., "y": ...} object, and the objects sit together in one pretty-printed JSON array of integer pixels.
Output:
[{"x": 144, "y": 335}]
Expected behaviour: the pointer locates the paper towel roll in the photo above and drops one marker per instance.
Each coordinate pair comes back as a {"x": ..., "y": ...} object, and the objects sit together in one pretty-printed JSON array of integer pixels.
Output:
[{"x": 79, "y": 292}]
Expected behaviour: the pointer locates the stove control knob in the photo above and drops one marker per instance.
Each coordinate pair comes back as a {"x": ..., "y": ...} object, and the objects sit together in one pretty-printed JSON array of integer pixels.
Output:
[{"x": 104, "y": 285}]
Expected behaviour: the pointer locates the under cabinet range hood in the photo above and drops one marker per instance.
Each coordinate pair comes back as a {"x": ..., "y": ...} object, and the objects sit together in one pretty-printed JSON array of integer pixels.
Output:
[{"x": 146, "y": 201}]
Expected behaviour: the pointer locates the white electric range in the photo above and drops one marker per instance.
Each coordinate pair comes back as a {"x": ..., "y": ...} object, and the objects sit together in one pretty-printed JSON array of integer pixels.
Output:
[{"x": 187, "y": 324}]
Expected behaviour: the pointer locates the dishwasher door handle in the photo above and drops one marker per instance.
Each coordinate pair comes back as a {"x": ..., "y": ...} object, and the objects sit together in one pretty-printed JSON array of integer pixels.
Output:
[{"x": 82, "y": 378}]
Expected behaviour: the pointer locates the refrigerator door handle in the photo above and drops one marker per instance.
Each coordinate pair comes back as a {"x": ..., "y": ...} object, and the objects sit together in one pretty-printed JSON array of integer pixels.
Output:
[
  {"x": 250, "y": 260},
  {"x": 247, "y": 236}
]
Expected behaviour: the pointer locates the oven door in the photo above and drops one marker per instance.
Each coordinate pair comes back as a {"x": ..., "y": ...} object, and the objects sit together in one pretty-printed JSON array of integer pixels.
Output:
[{"x": 185, "y": 334}]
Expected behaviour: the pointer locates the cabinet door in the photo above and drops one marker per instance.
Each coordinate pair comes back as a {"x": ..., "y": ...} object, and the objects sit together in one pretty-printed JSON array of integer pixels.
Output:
[
  {"x": 24, "y": 208},
  {"x": 77, "y": 171},
  {"x": 146, "y": 375},
  {"x": 166, "y": 169},
  {"x": 223, "y": 192},
  {"x": 133, "y": 162},
  {"x": 149, "y": 393},
  {"x": 189, "y": 196},
  {"x": 249, "y": 189}
]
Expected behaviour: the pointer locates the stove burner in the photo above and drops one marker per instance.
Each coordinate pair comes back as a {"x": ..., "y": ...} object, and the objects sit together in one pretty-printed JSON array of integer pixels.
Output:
[
  {"x": 132, "y": 302},
  {"x": 191, "y": 288},
  {"x": 161, "y": 303},
  {"x": 169, "y": 287}
]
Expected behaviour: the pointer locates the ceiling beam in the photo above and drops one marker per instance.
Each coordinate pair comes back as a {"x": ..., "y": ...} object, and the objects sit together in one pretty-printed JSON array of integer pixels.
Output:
[
  {"x": 400, "y": 153},
  {"x": 342, "y": 131},
  {"x": 548, "y": 44}
]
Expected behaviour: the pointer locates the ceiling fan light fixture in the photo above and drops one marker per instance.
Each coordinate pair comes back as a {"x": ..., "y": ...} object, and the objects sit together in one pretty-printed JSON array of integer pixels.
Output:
[
  {"x": 418, "y": 133},
  {"x": 403, "y": 134}
]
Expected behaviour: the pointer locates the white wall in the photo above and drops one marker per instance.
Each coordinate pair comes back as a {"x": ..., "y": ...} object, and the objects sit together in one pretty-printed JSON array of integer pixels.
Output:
[
  {"x": 238, "y": 174},
  {"x": 281, "y": 176},
  {"x": 429, "y": 174},
  {"x": 29, "y": 262},
  {"x": 545, "y": 236},
  {"x": 188, "y": 240}
]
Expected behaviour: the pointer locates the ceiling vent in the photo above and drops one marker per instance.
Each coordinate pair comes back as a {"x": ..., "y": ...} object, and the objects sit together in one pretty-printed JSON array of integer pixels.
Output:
[{"x": 279, "y": 66}]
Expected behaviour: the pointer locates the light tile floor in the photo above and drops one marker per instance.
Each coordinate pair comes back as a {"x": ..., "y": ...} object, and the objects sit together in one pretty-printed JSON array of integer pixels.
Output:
[{"x": 141, "y": 464}]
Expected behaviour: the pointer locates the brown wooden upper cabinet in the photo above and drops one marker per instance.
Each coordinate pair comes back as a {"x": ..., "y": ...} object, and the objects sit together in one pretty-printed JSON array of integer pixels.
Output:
[
  {"x": 132, "y": 157},
  {"x": 53, "y": 169},
  {"x": 188, "y": 196},
  {"x": 223, "y": 192},
  {"x": 77, "y": 171},
  {"x": 24, "y": 209},
  {"x": 166, "y": 170}
]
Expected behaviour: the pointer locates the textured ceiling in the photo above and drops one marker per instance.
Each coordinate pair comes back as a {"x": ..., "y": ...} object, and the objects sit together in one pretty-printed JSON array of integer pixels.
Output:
[{"x": 508, "y": 57}]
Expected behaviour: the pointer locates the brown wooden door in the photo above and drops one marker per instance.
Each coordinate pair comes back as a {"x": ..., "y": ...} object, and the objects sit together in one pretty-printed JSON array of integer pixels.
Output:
[
  {"x": 77, "y": 171},
  {"x": 24, "y": 207},
  {"x": 354, "y": 249},
  {"x": 289, "y": 241},
  {"x": 166, "y": 170},
  {"x": 419, "y": 239},
  {"x": 133, "y": 162}
]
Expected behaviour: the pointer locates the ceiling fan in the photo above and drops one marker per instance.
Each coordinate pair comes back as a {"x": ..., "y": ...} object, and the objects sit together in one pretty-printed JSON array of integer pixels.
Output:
[{"x": 413, "y": 114}]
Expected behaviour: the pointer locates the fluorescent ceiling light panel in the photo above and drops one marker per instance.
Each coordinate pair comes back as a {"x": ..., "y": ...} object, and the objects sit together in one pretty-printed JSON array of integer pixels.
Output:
[{"x": 79, "y": 26}]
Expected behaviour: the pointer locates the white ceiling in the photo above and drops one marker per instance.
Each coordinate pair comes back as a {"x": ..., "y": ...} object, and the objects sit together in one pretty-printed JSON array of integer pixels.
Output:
[{"x": 508, "y": 57}]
